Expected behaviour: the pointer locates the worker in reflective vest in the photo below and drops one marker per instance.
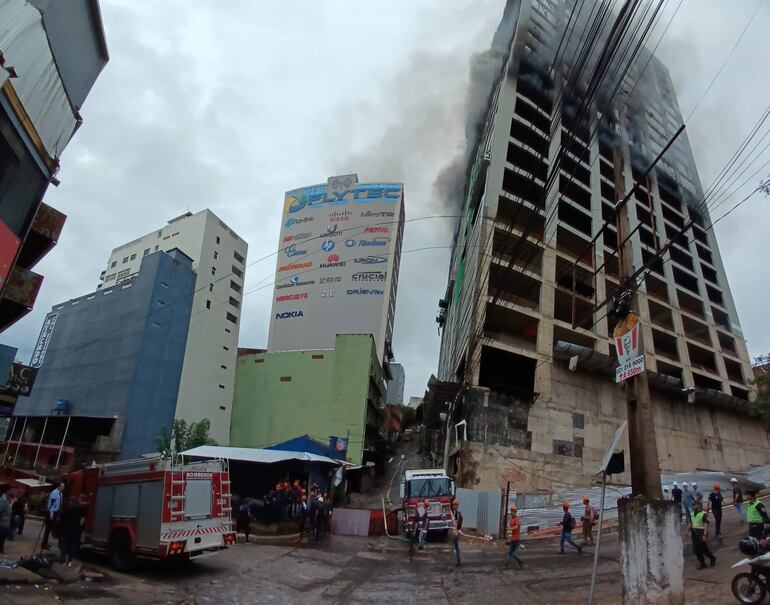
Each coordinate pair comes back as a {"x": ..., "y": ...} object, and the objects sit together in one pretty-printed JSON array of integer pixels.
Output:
[
  {"x": 699, "y": 528},
  {"x": 756, "y": 516}
]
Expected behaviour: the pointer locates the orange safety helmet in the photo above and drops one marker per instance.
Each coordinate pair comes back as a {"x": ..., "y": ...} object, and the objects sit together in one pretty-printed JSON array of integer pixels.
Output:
[
  {"x": 514, "y": 509},
  {"x": 586, "y": 499},
  {"x": 565, "y": 504},
  {"x": 717, "y": 487},
  {"x": 304, "y": 498},
  {"x": 455, "y": 502},
  {"x": 426, "y": 502}
]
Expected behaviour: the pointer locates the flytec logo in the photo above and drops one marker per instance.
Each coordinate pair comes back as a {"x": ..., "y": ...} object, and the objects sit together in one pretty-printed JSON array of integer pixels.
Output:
[
  {"x": 295, "y": 266},
  {"x": 376, "y": 230},
  {"x": 289, "y": 315},
  {"x": 297, "y": 296}
]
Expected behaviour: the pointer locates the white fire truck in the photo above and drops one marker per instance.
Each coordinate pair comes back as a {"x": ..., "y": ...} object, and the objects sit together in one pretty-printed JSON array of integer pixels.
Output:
[
  {"x": 433, "y": 485},
  {"x": 156, "y": 507}
]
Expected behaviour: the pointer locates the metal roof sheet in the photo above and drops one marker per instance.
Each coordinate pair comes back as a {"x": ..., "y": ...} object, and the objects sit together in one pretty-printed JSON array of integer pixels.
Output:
[{"x": 261, "y": 456}]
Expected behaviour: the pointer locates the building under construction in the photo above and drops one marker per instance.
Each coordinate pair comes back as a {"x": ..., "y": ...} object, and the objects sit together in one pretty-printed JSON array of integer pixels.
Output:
[{"x": 573, "y": 94}]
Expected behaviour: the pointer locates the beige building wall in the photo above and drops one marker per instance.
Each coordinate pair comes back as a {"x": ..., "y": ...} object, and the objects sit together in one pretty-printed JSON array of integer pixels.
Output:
[{"x": 219, "y": 260}]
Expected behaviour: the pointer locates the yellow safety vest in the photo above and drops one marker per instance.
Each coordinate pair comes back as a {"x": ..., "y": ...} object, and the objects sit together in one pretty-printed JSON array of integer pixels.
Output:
[
  {"x": 696, "y": 519},
  {"x": 752, "y": 514}
]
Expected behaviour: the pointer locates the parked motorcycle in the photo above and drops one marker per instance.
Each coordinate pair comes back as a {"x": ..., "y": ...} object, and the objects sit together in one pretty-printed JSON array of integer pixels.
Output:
[{"x": 752, "y": 587}]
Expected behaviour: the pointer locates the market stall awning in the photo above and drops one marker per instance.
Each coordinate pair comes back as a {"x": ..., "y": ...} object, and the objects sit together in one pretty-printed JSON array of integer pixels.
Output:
[{"x": 256, "y": 455}]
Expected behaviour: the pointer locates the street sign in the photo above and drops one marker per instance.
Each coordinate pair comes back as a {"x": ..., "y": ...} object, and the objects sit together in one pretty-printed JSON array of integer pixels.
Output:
[
  {"x": 626, "y": 335},
  {"x": 611, "y": 449},
  {"x": 632, "y": 368}
]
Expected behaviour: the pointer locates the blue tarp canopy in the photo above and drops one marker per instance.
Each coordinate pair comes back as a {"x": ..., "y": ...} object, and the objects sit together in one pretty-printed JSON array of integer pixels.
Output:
[{"x": 306, "y": 443}]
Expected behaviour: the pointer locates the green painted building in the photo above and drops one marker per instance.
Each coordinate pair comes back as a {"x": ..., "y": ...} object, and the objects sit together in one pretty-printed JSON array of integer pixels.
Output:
[{"x": 327, "y": 392}]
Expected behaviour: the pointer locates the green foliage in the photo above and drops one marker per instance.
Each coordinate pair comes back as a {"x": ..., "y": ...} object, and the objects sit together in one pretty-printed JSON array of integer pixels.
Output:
[
  {"x": 408, "y": 416},
  {"x": 183, "y": 436},
  {"x": 761, "y": 406}
]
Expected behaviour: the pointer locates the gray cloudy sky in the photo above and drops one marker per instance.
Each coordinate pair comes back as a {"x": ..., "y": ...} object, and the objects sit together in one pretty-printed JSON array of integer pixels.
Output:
[{"x": 227, "y": 105}]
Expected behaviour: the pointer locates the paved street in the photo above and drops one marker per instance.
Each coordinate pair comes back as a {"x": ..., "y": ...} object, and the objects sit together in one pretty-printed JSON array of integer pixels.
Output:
[{"x": 377, "y": 570}]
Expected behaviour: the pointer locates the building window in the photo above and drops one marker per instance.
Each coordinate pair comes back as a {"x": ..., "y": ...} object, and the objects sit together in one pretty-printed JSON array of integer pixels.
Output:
[
  {"x": 216, "y": 255},
  {"x": 224, "y": 367},
  {"x": 228, "y": 330},
  {"x": 235, "y": 302},
  {"x": 234, "y": 286},
  {"x": 225, "y": 348},
  {"x": 161, "y": 304},
  {"x": 110, "y": 277},
  {"x": 221, "y": 386},
  {"x": 217, "y": 239},
  {"x": 175, "y": 234},
  {"x": 146, "y": 252},
  {"x": 259, "y": 361},
  {"x": 133, "y": 256},
  {"x": 125, "y": 260},
  {"x": 232, "y": 318},
  {"x": 160, "y": 232},
  {"x": 237, "y": 271},
  {"x": 316, "y": 357},
  {"x": 156, "y": 247},
  {"x": 221, "y": 407},
  {"x": 238, "y": 257},
  {"x": 163, "y": 284},
  {"x": 211, "y": 287},
  {"x": 208, "y": 304},
  {"x": 113, "y": 263},
  {"x": 213, "y": 270},
  {"x": 123, "y": 273},
  {"x": 285, "y": 378},
  {"x": 156, "y": 324}
]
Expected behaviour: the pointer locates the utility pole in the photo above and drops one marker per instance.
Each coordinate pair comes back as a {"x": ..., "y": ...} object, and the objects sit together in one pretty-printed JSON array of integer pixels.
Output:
[{"x": 645, "y": 465}]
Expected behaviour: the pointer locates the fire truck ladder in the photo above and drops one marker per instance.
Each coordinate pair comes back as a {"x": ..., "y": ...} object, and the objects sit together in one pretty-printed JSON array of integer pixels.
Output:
[
  {"x": 177, "y": 487},
  {"x": 227, "y": 495}
]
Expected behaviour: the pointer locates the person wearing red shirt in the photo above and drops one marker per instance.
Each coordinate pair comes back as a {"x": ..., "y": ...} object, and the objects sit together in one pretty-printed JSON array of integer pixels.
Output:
[{"x": 515, "y": 538}]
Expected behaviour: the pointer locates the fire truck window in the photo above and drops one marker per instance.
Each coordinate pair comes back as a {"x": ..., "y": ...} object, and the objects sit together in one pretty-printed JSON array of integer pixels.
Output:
[
  {"x": 197, "y": 500},
  {"x": 426, "y": 488}
]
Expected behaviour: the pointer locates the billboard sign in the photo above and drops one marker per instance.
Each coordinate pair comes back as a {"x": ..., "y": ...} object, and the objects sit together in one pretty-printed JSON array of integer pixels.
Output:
[
  {"x": 346, "y": 274},
  {"x": 38, "y": 353},
  {"x": 626, "y": 335},
  {"x": 20, "y": 380},
  {"x": 630, "y": 369}
]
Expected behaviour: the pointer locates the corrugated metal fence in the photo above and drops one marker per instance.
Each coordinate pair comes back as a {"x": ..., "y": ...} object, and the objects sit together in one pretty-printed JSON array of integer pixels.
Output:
[{"x": 480, "y": 510}]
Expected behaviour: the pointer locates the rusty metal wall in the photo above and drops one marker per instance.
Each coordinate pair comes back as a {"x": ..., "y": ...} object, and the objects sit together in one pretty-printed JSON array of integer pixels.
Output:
[{"x": 350, "y": 522}]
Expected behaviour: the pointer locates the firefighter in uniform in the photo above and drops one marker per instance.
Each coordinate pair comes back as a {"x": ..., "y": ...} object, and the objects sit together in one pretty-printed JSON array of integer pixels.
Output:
[
  {"x": 756, "y": 516},
  {"x": 699, "y": 528}
]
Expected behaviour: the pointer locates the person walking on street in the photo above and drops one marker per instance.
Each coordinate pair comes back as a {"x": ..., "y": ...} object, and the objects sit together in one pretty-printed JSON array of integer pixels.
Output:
[
  {"x": 699, "y": 526},
  {"x": 456, "y": 531},
  {"x": 313, "y": 517},
  {"x": 515, "y": 538},
  {"x": 756, "y": 516},
  {"x": 424, "y": 524},
  {"x": 696, "y": 494},
  {"x": 244, "y": 519},
  {"x": 320, "y": 519},
  {"x": 567, "y": 525},
  {"x": 688, "y": 497},
  {"x": 590, "y": 516},
  {"x": 737, "y": 497},
  {"x": 302, "y": 513},
  {"x": 414, "y": 537},
  {"x": 6, "y": 511},
  {"x": 52, "y": 512},
  {"x": 20, "y": 508},
  {"x": 70, "y": 528},
  {"x": 715, "y": 507},
  {"x": 676, "y": 496}
]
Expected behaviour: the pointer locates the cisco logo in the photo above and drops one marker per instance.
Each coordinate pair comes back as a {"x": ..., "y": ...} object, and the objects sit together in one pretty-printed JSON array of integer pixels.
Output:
[{"x": 289, "y": 315}]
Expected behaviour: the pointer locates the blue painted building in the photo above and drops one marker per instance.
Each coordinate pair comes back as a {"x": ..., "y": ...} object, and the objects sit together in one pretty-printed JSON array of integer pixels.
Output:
[{"x": 109, "y": 369}]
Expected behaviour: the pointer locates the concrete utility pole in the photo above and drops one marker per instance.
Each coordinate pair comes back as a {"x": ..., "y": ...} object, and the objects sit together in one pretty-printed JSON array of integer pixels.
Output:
[
  {"x": 650, "y": 534},
  {"x": 645, "y": 466}
]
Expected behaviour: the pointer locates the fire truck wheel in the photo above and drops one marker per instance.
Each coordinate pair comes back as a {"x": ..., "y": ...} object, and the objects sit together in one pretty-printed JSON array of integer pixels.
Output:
[{"x": 120, "y": 551}]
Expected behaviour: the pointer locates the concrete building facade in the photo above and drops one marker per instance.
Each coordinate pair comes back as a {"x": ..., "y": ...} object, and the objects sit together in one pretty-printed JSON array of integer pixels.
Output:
[
  {"x": 338, "y": 263},
  {"x": 108, "y": 370},
  {"x": 337, "y": 392},
  {"x": 539, "y": 186},
  {"x": 219, "y": 260},
  {"x": 52, "y": 54}
]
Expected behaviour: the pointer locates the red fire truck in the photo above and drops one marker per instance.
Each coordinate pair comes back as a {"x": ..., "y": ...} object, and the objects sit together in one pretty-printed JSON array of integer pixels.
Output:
[
  {"x": 428, "y": 484},
  {"x": 156, "y": 507}
]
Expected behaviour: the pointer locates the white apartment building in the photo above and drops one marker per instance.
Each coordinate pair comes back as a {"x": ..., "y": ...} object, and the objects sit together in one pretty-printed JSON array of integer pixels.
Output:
[{"x": 219, "y": 260}]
